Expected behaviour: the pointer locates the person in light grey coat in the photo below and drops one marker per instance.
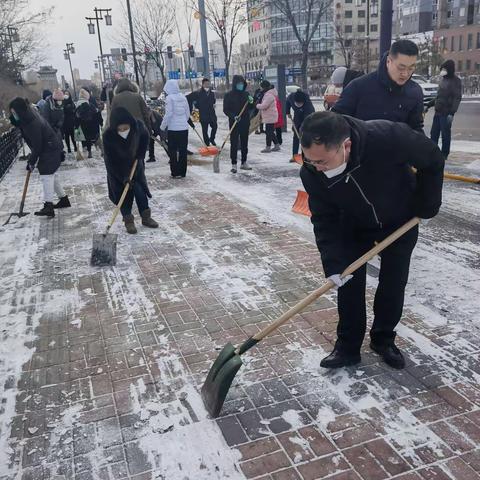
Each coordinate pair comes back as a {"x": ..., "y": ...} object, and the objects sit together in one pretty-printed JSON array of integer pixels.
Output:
[{"x": 446, "y": 105}]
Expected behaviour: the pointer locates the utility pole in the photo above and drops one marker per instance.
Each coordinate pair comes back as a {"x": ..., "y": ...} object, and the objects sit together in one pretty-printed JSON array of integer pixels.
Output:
[
  {"x": 385, "y": 26},
  {"x": 66, "y": 54},
  {"x": 203, "y": 35},
  {"x": 132, "y": 38}
]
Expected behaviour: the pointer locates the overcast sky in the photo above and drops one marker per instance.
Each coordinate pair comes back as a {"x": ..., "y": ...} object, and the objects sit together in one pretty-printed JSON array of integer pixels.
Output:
[{"x": 68, "y": 24}]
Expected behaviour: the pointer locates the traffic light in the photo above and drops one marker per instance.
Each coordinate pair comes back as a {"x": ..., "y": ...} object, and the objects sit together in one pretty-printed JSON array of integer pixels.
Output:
[
  {"x": 169, "y": 52},
  {"x": 124, "y": 54},
  {"x": 191, "y": 51}
]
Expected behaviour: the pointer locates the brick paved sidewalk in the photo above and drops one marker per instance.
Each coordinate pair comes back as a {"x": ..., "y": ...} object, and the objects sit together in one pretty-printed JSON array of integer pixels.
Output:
[{"x": 107, "y": 384}]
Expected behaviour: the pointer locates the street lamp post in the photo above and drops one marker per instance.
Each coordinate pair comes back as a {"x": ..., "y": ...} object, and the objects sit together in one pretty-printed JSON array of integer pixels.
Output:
[
  {"x": 97, "y": 64},
  {"x": 100, "y": 14},
  {"x": 132, "y": 38},
  {"x": 66, "y": 53}
]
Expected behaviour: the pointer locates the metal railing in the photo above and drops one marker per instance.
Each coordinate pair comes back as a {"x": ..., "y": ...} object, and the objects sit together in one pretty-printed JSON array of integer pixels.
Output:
[{"x": 10, "y": 144}]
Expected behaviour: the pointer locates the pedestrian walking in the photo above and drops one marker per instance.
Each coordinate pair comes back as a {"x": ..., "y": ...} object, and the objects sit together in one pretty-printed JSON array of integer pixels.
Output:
[
  {"x": 280, "y": 122},
  {"x": 124, "y": 141},
  {"x": 88, "y": 118},
  {"x": 175, "y": 121},
  {"x": 233, "y": 104},
  {"x": 269, "y": 114},
  {"x": 45, "y": 153},
  {"x": 447, "y": 102},
  {"x": 69, "y": 121},
  {"x": 42, "y": 103},
  {"x": 204, "y": 100},
  {"x": 302, "y": 107},
  {"x": 388, "y": 93},
  {"x": 361, "y": 188}
]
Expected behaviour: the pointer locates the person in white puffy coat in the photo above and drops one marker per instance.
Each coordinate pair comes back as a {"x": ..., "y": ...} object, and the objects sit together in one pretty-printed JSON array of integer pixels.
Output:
[{"x": 175, "y": 121}]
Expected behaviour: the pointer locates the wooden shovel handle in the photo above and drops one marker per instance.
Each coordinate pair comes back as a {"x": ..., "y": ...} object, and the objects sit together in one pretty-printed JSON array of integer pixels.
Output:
[
  {"x": 296, "y": 131},
  {"x": 325, "y": 288},
  {"x": 124, "y": 194},
  {"x": 198, "y": 135},
  {"x": 25, "y": 188}
]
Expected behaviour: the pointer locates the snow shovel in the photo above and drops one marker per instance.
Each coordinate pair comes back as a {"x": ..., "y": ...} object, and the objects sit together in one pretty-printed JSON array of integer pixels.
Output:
[
  {"x": 104, "y": 250},
  {"x": 301, "y": 204},
  {"x": 228, "y": 362},
  {"x": 298, "y": 156},
  {"x": 161, "y": 142},
  {"x": 216, "y": 159},
  {"x": 205, "y": 151},
  {"x": 21, "y": 213}
]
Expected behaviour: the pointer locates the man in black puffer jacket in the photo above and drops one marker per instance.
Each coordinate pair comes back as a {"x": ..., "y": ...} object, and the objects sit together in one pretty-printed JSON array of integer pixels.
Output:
[
  {"x": 204, "y": 100},
  {"x": 361, "y": 188},
  {"x": 389, "y": 93},
  {"x": 446, "y": 105},
  {"x": 233, "y": 104}
]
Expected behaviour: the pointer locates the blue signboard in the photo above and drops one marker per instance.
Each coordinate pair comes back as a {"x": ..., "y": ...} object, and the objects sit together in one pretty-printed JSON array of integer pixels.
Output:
[
  {"x": 174, "y": 75},
  {"x": 293, "y": 71},
  {"x": 219, "y": 73},
  {"x": 191, "y": 74}
]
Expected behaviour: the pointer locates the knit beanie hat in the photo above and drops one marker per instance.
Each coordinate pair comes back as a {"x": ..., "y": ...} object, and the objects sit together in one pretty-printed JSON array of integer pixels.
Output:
[
  {"x": 84, "y": 94},
  {"x": 338, "y": 75}
]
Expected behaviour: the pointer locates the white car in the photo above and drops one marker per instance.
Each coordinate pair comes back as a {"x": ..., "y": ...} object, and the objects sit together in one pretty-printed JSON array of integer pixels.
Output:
[{"x": 429, "y": 89}]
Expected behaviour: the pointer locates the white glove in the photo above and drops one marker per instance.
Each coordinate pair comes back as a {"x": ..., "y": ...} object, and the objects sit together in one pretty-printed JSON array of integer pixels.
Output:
[
  {"x": 339, "y": 281},
  {"x": 424, "y": 221}
]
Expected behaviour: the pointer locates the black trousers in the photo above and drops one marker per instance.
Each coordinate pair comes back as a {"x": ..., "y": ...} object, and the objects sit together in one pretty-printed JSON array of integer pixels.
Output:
[
  {"x": 141, "y": 199},
  {"x": 151, "y": 149},
  {"x": 270, "y": 132},
  {"x": 240, "y": 133},
  {"x": 209, "y": 138},
  {"x": 69, "y": 134},
  {"x": 177, "y": 151},
  {"x": 278, "y": 134},
  {"x": 389, "y": 297}
]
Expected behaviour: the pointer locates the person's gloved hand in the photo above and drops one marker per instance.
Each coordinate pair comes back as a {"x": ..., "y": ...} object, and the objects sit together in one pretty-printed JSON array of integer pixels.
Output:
[
  {"x": 449, "y": 119},
  {"x": 30, "y": 167},
  {"x": 250, "y": 99},
  {"x": 338, "y": 280},
  {"x": 237, "y": 118}
]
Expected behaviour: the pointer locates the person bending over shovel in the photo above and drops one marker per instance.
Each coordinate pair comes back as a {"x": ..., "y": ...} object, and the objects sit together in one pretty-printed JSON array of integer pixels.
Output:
[
  {"x": 361, "y": 188},
  {"x": 46, "y": 153},
  {"x": 125, "y": 140}
]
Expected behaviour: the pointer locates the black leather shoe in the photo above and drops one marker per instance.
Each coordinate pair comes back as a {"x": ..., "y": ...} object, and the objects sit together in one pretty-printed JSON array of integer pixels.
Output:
[
  {"x": 390, "y": 354},
  {"x": 339, "y": 359}
]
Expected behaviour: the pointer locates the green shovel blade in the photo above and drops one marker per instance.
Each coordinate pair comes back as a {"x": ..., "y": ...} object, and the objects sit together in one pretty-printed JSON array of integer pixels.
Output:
[{"x": 219, "y": 379}]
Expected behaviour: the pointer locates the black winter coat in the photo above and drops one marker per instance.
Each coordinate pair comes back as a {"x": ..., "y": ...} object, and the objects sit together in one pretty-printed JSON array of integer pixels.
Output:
[
  {"x": 377, "y": 97},
  {"x": 449, "y": 95},
  {"x": 119, "y": 157},
  {"x": 235, "y": 100},
  {"x": 378, "y": 192},
  {"x": 68, "y": 115},
  {"x": 299, "y": 113},
  {"x": 205, "y": 102},
  {"x": 88, "y": 118},
  {"x": 53, "y": 114},
  {"x": 44, "y": 143}
]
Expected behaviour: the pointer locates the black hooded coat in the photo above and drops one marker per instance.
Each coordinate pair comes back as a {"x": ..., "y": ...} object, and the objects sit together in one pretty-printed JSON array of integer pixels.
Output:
[
  {"x": 120, "y": 153},
  {"x": 44, "y": 143},
  {"x": 449, "y": 91}
]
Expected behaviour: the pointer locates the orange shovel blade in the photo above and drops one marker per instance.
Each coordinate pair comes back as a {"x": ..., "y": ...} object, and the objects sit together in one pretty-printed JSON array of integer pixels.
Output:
[
  {"x": 298, "y": 158},
  {"x": 208, "y": 151},
  {"x": 301, "y": 204}
]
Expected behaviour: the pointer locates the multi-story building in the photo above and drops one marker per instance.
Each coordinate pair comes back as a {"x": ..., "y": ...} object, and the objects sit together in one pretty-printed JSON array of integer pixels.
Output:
[
  {"x": 357, "y": 34},
  {"x": 457, "y": 34},
  {"x": 259, "y": 38},
  {"x": 412, "y": 16}
]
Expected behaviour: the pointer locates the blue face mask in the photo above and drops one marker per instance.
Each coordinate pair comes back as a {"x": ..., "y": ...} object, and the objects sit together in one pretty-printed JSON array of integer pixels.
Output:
[{"x": 240, "y": 87}]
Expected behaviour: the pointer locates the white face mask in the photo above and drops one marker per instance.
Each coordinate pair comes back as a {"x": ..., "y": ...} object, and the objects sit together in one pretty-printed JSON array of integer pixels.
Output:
[
  {"x": 124, "y": 134},
  {"x": 340, "y": 169},
  {"x": 443, "y": 72}
]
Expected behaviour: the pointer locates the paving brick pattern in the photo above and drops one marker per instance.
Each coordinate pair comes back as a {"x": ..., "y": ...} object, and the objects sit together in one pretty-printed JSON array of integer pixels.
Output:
[{"x": 215, "y": 273}]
